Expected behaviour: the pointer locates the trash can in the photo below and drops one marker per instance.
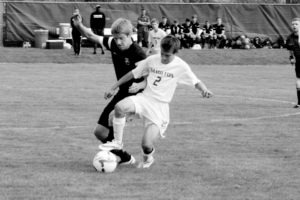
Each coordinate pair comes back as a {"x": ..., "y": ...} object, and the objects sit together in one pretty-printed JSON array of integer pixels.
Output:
[
  {"x": 40, "y": 38},
  {"x": 64, "y": 30}
]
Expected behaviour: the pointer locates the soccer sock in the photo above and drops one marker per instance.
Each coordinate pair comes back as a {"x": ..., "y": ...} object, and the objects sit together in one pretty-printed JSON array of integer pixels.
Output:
[
  {"x": 110, "y": 136},
  {"x": 298, "y": 95},
  {"x": 148, "y": 153},
  {"x": 118, "y": 125}
]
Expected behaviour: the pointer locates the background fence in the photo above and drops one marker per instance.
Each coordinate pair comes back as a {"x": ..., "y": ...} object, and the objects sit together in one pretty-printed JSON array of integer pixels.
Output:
[{"x": 22, "y": 18}]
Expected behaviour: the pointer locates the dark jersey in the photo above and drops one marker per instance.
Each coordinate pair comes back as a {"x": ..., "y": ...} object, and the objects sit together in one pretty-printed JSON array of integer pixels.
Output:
[
  {"x": 75, "y": 31},
  {"x": 292, "y": 44},
  {"x": 186, "y": 28},
  {"x": 195, "y": 27},
  {"x": 176, "y": 29},
  {"x": 164, "y": 27},
  {"x": 97, "y": 20},
  {"x": 207, "y": 29},
  {"x": 219, "y": 28},
  {"x": 124, "y": 60}
]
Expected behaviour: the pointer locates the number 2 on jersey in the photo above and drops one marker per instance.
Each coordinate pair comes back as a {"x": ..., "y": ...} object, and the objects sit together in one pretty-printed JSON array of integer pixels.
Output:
[{"x": 157, "y": 80}]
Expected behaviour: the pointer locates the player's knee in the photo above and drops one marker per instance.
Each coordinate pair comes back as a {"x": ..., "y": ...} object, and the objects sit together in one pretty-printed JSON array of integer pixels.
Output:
[
  {"x": 119, "y": 109},
  {"x": 101, "y": 133}
]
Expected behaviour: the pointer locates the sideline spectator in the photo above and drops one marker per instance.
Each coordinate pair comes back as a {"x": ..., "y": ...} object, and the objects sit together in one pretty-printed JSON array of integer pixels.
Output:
[
  {"x": 279, "y": 43},
  {"x": 219, "y": 37},
  {"x": 164, "y": 25},
  {"x": 76, "y": 35},
  {"x": 186, "y": 34},
  {"x": 176, "y": 30},
  {"x": 195, "y": 31},
  {"x": 143, "y": 28},
  {"x": 97, "y": 23},
  {"x": 257, "y": 43},
  {"x": 207, "y": 35}
]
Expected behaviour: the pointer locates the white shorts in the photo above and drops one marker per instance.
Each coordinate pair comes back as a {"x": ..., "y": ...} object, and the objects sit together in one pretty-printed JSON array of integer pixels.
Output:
[{"x": 152, "y": 111}]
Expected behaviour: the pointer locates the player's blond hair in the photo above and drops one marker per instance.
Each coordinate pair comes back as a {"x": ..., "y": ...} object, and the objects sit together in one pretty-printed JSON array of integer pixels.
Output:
[{"x": 122, "y": 26}]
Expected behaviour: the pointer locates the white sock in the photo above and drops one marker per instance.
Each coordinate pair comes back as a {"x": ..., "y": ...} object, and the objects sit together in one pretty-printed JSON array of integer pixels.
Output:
[{"x": 119, "y": 124}]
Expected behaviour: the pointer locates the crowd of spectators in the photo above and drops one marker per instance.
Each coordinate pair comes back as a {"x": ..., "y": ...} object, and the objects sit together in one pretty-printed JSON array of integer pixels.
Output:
[{"x": 195, "y": 35}]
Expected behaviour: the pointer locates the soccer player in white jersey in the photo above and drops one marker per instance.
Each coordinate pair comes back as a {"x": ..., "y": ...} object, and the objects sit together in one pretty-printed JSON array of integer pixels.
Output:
[
  {"x": 155, "y": 37},
  {"x": 163, "y": 72}
]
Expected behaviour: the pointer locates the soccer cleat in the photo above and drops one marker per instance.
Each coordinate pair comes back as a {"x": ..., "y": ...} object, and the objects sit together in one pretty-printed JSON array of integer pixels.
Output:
[
  {"x": 297, "y": 106},
  {"x": 132, "y": 161},
  {"x": 147, "y": 162},
  {"x": 108, "y": 146}
]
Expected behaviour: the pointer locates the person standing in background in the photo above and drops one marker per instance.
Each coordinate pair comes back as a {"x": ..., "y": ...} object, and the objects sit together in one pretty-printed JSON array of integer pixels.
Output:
[
  {"x": 76, "y": 35},
  {"x": 293, "y": 45},
  {"x": 155, "y": 37},
  {"x": 143, "y": 28},
  {"x": 97, "y": 23}
]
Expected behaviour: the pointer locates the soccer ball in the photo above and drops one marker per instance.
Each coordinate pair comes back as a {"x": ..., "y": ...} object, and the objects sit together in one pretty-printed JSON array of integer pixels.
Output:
[{"x": 105, "y": 161}]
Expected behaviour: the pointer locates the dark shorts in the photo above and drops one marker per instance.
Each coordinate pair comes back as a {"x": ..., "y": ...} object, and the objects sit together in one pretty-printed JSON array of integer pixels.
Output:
[
  {"x": 297, "y": 69},
  {"x": 104, "y": 117}
]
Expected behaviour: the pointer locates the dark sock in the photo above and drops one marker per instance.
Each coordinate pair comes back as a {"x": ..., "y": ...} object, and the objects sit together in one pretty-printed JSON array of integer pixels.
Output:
[
  {"x": 147, "y": 150},
  {"x": 110, "y": 136},
  {"x": 124, "y": 156}
]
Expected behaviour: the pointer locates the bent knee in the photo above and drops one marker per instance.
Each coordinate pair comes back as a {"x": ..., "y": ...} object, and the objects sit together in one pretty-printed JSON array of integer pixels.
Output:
[{"x": 101, "y": 133}]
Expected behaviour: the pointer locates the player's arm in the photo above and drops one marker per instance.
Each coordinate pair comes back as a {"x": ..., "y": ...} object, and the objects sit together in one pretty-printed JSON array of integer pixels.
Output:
[
  {"x": 86, "y": 31},
  {"x": 292, "y": 58},
  {"x": 127, "y": 77},
  {"x": 203, "y": 89},
  {"x": 135, "y": 87}
]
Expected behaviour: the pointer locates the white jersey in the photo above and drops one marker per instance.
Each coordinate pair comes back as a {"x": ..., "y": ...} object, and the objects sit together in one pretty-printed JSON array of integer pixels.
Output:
[
  {"x": 162, "y": 79},
  {"x": 156, "y": 37}
]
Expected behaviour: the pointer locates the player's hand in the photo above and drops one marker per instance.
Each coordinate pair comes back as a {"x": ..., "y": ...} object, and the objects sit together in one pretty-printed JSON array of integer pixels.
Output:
[
  {"x": 293, "y": 61},
  {"x": 135, "y": 87},
  {"x": 109, "y": 94},
  {"x": 77, "y": 19},
  {"x": 206, "y": 94}
]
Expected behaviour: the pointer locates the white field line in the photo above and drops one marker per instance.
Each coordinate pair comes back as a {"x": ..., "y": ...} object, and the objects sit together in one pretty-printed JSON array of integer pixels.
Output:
[
  {"x": 256, "y": 99},
  {"x": 256, "y": 118},
  {"x": 259, "y": 117},
  {"x": 183, "y": 122}
]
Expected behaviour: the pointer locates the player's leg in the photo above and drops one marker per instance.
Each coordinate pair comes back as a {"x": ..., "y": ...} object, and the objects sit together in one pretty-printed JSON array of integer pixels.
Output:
[
  {"x": 79, "y": 45},
  {"x": 102, "y": 34},
  {"x": 298, "y": 93},
  {"x": 125, "y": 106},
  {"x": 104, "y": 131},
  {"x": 152, "y": 133}
]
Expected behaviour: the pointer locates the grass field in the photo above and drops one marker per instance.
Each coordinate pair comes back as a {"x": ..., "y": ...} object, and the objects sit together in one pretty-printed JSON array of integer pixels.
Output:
[{"x": 243, "y": 144}]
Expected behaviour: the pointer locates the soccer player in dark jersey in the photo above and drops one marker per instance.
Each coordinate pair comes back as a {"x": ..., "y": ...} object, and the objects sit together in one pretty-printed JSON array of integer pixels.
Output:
[
  {"x": 195, "y": 30},
  {"x": 97, "y": 23},
  {"x": 207, "y": 35},
  {"x": 186, "y": 33},
  {"x": 219, "y": 37},
  {"x": 293, "y": 45},
  {"x": 125, "y": 54},
  {"x": 176, "y": 30},
  {"x": 164, "y": 25}
]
